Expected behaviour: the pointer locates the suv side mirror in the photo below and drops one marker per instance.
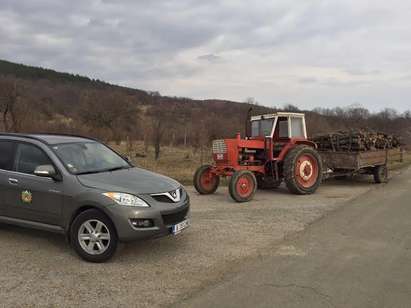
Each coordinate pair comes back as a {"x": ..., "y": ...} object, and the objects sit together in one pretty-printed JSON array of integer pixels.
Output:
[{"x": 47, "y": 171}]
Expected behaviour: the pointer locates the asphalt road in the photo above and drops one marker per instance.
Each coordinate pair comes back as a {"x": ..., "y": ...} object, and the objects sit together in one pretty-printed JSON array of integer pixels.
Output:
[
  {"x": 358, "y": 256},
  {"x": 39, "y": 269}
]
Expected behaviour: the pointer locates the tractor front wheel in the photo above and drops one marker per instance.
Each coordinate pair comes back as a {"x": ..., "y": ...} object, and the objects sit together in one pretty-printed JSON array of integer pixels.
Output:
[
  {"x": 206, "y": 182},
  {"x": 302, "y": 170},
  {"x": 242, "y": 186}
]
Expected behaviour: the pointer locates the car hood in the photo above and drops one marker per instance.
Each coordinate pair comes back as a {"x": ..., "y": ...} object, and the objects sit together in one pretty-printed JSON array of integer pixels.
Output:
[{"x": 132, "y": 181}]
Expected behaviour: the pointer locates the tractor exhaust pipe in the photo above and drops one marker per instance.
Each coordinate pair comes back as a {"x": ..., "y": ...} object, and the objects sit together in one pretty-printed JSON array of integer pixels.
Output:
[{"x": 247, "y": 122}]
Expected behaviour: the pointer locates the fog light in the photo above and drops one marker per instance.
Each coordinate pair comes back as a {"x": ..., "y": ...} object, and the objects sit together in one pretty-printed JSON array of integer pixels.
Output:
[{"x": 142, "y": 223}]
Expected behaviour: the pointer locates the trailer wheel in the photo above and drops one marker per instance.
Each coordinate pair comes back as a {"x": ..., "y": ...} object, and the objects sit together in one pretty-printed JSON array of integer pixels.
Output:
[
  {"x": 302, "y": 170},
  {"x": 242, "y": 186},
  {"x": 205, "y": 182},
  {"x": 380, "y": 174}
]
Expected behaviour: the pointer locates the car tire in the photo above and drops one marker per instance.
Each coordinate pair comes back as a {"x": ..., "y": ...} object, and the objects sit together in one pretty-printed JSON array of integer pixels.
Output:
[{"x": 93, "y": 236}]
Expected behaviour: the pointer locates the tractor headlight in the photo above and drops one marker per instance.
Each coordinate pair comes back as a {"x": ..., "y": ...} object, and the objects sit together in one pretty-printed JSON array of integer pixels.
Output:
[{"x": 126, "y": 199}]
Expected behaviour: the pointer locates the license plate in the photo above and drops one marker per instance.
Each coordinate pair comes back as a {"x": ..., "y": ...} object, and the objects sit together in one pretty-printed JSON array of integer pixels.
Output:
[{"x": 176, "y": 229}]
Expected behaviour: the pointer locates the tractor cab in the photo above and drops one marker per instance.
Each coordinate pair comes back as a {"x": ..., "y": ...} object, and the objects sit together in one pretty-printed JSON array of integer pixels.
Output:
[
  {"x": 277, "y": 129},
  {"x": 278, "y": 126}
]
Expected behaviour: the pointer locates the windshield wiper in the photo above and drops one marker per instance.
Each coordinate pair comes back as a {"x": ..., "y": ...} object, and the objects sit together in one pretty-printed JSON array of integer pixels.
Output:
[
  {"x": 103, "y": 170},
  {"x": 116, "y": 168},
  {"x": 90, "y": 172}
]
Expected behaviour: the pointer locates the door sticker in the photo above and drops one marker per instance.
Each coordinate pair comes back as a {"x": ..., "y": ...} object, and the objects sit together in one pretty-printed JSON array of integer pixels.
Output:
[{"x": 26, "y": 196}]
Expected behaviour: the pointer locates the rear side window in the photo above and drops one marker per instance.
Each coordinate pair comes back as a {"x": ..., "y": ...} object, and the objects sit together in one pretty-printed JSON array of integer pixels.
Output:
[
  {"x": 7, "y": 152},
  {"x": 297, "y": 127},
  {"x": 30, "y": 157}
]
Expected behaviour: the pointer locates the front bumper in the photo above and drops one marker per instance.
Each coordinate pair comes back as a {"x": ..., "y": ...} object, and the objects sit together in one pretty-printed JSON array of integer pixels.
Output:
[{"x": 163, "y": 216}]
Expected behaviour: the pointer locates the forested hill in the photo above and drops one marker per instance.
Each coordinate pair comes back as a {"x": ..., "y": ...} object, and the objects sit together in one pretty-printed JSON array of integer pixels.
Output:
[
  {"x": 34, "y": 99},
  {"x": 32, "y": 72}
]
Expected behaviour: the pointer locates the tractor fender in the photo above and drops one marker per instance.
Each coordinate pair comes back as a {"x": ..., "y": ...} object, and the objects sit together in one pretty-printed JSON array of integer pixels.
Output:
[{"x": 307, "y": 142}]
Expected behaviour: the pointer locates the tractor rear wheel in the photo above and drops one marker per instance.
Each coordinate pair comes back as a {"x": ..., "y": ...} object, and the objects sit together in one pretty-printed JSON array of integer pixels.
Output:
[
  {"x": 242, "y": 186},
  {"x": 206, "y": 182},
  {"x": 380, "y": 174},
  {"x": 302, "y": 170}
]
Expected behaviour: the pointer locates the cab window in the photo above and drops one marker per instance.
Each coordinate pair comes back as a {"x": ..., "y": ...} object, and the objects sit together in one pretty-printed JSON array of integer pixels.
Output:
[
  {"x": 7, "y": 150},
  {"x": 29, "y": 157},
  {"x": 297, "y": 127},
  {"x": 262, "y": 128},
  {"x": 283, "y": 127}
]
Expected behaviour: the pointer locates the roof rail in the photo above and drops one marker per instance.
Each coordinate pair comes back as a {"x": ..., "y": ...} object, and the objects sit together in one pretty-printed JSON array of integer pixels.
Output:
[
  {"x": 65, "y": 135},
  {"x": 34, "y": 137},
  {"x": 23, "y": 136}
]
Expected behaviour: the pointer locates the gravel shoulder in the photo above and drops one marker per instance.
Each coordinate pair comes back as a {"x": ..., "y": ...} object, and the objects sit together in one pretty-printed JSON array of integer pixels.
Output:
[{"x": 39, "y": 269}]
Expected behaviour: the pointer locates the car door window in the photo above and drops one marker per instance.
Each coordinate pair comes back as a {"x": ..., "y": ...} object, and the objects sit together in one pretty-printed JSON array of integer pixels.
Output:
[
  {"x": 7, "y": 152},
  {"x": 29, "y": 157}
]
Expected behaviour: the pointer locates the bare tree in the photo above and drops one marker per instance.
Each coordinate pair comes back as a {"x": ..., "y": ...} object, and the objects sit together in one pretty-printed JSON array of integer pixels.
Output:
[
  {"x": 8, "y": 101},
  {"x": 163, "y": 119},
  {"x": 110, "y": 111}
]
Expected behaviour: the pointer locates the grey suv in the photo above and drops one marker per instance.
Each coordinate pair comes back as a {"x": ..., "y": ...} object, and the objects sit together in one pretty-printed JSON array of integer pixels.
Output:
[{"x": 81, "y": 188}]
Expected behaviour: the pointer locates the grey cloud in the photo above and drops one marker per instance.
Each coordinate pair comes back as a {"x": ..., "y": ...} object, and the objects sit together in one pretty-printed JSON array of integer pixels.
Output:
[
  {"x": 209, "y": 58},
  {"x": 307, "y": 80},
  {"x": 161, "y": 43}
]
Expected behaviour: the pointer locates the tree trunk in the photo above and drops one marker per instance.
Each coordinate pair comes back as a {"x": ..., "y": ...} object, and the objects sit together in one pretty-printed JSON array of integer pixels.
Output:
[
  {"x": 157, "y": 150},
  {"x": 185, "y": 136},
  {"x": 5, "y": 123}
]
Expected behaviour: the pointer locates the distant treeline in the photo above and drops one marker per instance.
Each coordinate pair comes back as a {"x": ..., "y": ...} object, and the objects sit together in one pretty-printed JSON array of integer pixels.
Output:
[{"x": 41, "y": 100}]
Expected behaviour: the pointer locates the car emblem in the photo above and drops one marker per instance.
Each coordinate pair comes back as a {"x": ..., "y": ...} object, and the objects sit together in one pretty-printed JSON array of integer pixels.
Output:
[
  {"x": 174, "y": 194},
  {"x": 26, "y": 196}
]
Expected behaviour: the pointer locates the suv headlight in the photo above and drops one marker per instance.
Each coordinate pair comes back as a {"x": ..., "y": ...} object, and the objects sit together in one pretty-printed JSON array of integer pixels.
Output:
[{"x": 126, "y": 199}]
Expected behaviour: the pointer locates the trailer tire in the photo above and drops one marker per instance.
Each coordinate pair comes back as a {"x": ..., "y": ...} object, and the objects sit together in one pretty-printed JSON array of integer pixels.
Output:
[
  {"x": 204, "y": 182},
  {"x": 380, "y": 174},
  {"x": 242, "y": 186},
  {"x": 303, "y": 170}
]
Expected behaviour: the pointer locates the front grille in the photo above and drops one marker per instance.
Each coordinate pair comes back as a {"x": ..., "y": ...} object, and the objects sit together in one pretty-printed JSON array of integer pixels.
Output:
[
  {"x": 162, "y": 198},
  {"x": 175, "y": 218},
  {"x": 169, "y": 197},
  {"x": 219, "y": 147}
]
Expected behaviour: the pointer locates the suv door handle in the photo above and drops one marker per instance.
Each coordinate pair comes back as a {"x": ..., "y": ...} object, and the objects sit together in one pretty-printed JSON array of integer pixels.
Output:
[{"x": 13, "y": 181}]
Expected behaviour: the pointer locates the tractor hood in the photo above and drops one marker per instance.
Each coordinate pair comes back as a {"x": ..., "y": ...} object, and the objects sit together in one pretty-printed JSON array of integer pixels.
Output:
[{"x": 132, "y": 181}]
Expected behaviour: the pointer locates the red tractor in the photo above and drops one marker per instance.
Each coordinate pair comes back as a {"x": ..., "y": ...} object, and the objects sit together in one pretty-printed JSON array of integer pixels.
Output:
[{"x": 276, "y": 149}]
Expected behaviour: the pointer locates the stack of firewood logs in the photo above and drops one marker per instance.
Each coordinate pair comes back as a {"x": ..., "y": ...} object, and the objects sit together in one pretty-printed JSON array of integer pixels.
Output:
[{"x": 356, "y": 140}]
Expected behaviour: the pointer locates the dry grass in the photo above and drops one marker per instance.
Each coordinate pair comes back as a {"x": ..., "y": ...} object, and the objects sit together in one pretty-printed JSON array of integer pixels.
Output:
[
  {"x": 405, "y": 162},
  {"x": 179, "y": 163}
]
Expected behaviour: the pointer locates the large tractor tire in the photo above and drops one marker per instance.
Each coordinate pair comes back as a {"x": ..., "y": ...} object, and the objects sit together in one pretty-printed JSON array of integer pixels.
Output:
[
  {"x": 303, "y": 170},
  {"x": 242, "y": 186},
  {"x": 205, "y": 182},
  {"x": 380, "y": 174}
]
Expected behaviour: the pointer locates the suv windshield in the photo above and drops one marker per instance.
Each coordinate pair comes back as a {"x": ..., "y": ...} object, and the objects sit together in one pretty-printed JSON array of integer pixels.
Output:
[{"x": 89, "y": 157}]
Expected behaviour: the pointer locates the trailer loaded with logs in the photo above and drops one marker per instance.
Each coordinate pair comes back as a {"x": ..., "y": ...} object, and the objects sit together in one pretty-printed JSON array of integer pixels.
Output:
[{"x": 346, "y": 153}]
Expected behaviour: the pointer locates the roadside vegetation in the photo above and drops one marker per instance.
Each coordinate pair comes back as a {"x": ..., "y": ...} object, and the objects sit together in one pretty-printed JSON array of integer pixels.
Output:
[
  {"x": 179, "y": 163},
  {"x": 172, "y": 132}
]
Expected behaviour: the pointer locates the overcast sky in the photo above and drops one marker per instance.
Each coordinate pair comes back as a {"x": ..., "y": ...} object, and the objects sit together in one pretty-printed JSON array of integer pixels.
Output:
[{"x": 308, "y": 53}]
